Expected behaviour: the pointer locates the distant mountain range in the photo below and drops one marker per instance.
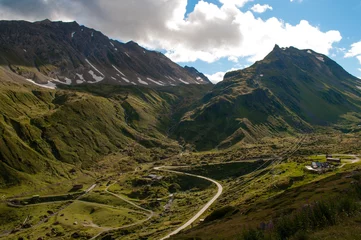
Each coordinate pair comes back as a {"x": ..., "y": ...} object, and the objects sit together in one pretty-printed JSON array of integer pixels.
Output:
[{"x": 52, "y": 53}]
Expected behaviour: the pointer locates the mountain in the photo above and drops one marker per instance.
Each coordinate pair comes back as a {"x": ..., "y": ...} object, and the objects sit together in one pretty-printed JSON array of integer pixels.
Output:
[
  {"x": 45, "y": 131},
  {"x": 67, "y": 53},
  {"x": 290, "y": 90}
]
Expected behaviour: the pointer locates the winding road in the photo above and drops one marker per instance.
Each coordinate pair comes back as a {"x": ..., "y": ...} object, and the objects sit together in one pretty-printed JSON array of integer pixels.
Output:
[{"x": 200, "y": 212}]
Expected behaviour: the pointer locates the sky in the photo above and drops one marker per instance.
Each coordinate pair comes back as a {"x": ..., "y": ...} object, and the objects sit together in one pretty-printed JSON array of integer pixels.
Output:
[{"x": 214, "y": 36}]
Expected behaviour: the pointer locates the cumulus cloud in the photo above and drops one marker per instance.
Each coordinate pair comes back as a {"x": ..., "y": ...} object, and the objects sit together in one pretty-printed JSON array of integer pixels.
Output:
[
  {"x": 208, "y": 33},
  {"x": 258, "y": 8},
  {"x": 354, "y": 51},
  {"x": 218, "y": 76},
  {"x": 238, "y": 3}
]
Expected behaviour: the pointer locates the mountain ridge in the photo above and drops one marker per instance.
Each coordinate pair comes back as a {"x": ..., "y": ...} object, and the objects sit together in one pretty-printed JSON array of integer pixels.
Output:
[
  {"x": 274, "y": 95},
  {"x": 69, "y": 53}
]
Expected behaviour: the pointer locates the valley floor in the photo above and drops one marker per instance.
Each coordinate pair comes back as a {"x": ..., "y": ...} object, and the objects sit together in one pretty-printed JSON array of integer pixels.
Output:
[{"x": 260, "y": 183}]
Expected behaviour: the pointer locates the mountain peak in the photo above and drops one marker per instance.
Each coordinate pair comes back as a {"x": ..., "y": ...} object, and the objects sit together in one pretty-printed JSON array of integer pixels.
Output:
[
  {"x": 98, "y": 59},
  {"x": 276, "y": 47},
  {"x": 45, "y": 22}
]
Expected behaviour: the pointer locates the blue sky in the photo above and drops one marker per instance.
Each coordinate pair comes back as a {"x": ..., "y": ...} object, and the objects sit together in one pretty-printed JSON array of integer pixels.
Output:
[
  {"x": 342, "y": 16},
  {"x": 214, "y": 36}
]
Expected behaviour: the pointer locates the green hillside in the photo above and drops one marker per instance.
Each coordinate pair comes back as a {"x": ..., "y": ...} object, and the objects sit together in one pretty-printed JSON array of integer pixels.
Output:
[
  {"x": 43, "y": 129},
  {"x": 289, "y": 91}
]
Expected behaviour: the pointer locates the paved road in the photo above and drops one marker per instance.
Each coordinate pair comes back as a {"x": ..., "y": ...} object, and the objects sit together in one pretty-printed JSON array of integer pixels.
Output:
[
  {"x": 51, "y": 215},
  {"x": 200, "y": 212},
  {"x": 90, "y": 188}
]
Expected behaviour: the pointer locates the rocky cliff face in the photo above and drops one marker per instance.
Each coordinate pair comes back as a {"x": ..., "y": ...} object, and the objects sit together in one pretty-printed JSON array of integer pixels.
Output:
[{"x": 67, "y": 53}]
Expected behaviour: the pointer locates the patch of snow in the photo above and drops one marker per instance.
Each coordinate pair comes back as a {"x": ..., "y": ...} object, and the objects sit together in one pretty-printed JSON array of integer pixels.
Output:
[
  {"x": 48, "y": 85},
  {"x": 94, "y": 67},
  {"x": 141, "y": 81},
  {"x": 114, "y": 78},
  {"x": 133, "y": 83},
  {"x": 67, "y": 81},
  {"x": 320, "y": 58},
  {"x": 171, "y": 78},
  {"x": 172, "y": 84},
  {"x": 144, "y": 52},
  {"x": 127, "y": 54},
  {"x": 24, "y": 50},
  {"x": 92, "y": 34},
  {"x": 111, "y": 44},
  {"x": 72, "y": 34},
  {"x": 309, "y": 51},
  {"x": 261, "y": 75},
  {"x": 125, "y": 79},
  {"x": 82, "y": 29},
  {"x": 358, "y": 87},
  {"x": 116, "y": 49},
  {"x": 158, "y": 83},
  {"x": 79, "y": 81},
  {"x": 199, "y": 79},
  {"x": 185, "y": 82},
  {"x": 118, "y": 71},
  {"x": 80, "y": 76},
  {"x": 95, "y": 77}
]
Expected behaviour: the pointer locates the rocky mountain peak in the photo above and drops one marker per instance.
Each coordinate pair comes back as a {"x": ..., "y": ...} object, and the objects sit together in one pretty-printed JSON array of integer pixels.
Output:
[{"x": 67, "y": 53}]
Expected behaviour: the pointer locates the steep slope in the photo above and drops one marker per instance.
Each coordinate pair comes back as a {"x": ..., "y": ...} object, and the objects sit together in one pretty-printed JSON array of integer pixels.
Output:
[
  {"x": 290, "y": 90},
  {"x": 72, "y": 54},
  {"x": 42, "y": 128}
]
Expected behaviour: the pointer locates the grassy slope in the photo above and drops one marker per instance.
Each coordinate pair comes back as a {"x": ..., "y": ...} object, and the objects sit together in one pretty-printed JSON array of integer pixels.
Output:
[
  {"x": 289, "y": 91},
  {"x": 47, "y": 131},
  {"x": 285, "y": 189}
]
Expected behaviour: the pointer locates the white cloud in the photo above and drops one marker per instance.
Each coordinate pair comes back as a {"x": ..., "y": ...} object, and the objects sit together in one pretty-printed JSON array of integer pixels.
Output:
[
  {"x": 258, "y": 8},
  {"x": 255, "y": 38},
  {"x": 233, "y": 59},
  {"x": 218, "y": 76},
  {"x": 355, "y": 50},
  {"x": 208, "y": 33},
  {"x": 237, "y": 3}
]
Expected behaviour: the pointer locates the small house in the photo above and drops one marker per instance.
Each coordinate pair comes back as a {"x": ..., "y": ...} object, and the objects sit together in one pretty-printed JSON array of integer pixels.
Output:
[{"x": 334, "y": 160}]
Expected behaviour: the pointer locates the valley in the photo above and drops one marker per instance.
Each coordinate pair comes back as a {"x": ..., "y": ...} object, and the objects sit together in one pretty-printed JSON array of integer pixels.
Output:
[
  {"x": 270, "y": 152},
  {"x": 141, "y": 194}
]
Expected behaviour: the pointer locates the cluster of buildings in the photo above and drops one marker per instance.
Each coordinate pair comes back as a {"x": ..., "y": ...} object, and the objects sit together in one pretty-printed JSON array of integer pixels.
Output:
[{"x": 321, "y": 167}]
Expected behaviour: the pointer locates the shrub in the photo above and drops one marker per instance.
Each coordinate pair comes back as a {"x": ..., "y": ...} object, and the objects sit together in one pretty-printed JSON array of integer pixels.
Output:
[
  {"x": 221, "y": 213},
  {"x": 253, "y": 234}
]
